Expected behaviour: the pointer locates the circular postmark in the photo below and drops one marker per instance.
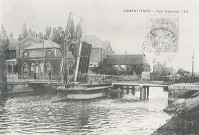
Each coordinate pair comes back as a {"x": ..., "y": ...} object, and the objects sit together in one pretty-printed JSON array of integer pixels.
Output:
[{"x": 161, "y": 43}]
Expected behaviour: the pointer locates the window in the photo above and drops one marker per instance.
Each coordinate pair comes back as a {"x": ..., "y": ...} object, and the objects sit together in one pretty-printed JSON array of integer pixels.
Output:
[
  {"x": 15, "y": 68},
  {"x": 48, "y": 66},
  {"x": 49, "y": 53},
  {"x": 32, "y": 69},
  {"x": 25, "y": 68},
  {"x": 9, "y": 69},
  {"x": 25, "y": 54},
  {"x": 37, "y": 68}
]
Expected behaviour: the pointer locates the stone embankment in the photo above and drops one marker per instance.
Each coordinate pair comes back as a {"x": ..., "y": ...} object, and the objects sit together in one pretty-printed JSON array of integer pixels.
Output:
[{"x": 184, "y": 110}]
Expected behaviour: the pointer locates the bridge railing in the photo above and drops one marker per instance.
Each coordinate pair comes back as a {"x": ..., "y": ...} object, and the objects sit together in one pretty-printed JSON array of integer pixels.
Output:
[
  {"x": 98, "y": 78},
  {"x": 160, "y": 78},
  {"x": 130, "y": 77}
]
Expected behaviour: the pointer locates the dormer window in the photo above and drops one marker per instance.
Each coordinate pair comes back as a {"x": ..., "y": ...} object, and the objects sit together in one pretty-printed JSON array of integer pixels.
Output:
[{"x": 49, "y": 53}]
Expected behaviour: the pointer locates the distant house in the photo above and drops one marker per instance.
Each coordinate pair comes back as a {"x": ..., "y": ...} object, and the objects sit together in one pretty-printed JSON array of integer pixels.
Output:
[
  {"x": 130, "y": 64},
  {"x": 100, "y": 49},
  {"x": 107, "y": 49},
  {"x": 162, "y": 69}
]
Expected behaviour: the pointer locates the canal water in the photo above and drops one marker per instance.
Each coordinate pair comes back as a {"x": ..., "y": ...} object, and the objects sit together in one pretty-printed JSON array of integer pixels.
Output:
[{"x": 35, "y": 114}]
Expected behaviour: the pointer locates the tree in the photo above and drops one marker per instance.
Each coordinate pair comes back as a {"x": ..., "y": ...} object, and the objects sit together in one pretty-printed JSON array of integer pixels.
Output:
[
  {"x": 70, "y": 29},
  {"x": 41, "y": 35},
  {"x": 48, "y": 31},
  {"x": 20, "y": 37},
  {"x": 186, "y": 76},
  {"x": 78, "y": 33},
  {"x": 30, "y": 33},
  {"x": 3, "y": 32},
  {"x": 11, "y": 35},
  {"x": 4, "y": 41},
  {"x": 34, "y": 34},
  {"x": 57, "y": 34},
  {"x": 45, "y": 37},
  {"x": 24, "y": 31},
  {"x": 105, "y": 68},
  {"x": 3, "y": 37},
  {"x": 182, "y": 72}
]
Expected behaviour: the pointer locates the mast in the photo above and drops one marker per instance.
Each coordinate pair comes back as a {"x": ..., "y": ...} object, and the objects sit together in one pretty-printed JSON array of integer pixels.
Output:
[
  {"x": 67, "y": 41},
  {"x": 71, "y": 43},
  {"x": 193, "y": 63}
]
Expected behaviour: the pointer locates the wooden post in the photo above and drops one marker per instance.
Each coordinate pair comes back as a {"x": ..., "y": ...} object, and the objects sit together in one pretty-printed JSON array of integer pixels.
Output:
[
  {"x": 144, "y": 95},
  {"x": 147, "y": 92},
  {"x": 141, "y": 88},
  {"x": 127, "y": 88},
  {"x": 133, "y": 90},
  {"x": 122, "y": 89}
]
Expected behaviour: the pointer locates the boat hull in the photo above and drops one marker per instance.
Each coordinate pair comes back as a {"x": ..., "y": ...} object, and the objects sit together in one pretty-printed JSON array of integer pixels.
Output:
[
  {"x": 85, "y": 92},
  {"x": 85, "y": 96}
]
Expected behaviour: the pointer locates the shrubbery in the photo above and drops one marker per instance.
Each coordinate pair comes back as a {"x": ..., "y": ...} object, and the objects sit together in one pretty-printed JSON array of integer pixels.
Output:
[
  {"x": 186, "y": 76},
  {"x": 105, "y": 68}
]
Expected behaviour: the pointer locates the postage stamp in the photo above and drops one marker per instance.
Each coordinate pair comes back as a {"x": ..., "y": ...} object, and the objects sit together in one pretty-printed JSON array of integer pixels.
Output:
[{"x": 162, "y": 38}]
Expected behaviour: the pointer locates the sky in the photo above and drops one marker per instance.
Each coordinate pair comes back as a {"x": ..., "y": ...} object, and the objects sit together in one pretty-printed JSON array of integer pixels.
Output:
[{"x": 106, "y": 19}]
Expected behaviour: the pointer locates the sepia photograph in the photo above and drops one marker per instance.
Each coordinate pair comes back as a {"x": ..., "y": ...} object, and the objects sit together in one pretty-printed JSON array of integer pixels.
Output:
[{"x": 99, "y": 67}]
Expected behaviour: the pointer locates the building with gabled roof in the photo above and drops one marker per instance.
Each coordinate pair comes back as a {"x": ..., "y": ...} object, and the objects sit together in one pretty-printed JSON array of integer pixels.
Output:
[
  {"x": 26, "y": 42},
  {"x": 106, "y": 45},
  {"x": 41, "y": 57},
  {"x": 92, "y": 39},
  {"x": 135, "y": 64},
  {"x": 100, "y": 49}
]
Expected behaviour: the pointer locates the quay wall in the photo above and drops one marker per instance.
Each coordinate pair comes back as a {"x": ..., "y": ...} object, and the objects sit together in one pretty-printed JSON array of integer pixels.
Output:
[
  {"x": 181, "y": 91},
  {"x": 184, "y": 110}
]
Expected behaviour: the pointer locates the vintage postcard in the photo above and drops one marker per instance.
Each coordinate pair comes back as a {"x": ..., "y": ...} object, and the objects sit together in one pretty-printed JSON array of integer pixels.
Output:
[{"x": 99, "y": 67}]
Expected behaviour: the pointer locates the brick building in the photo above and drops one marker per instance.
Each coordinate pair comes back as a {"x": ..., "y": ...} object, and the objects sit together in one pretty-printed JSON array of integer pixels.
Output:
[{"x": 40, "y": 57}]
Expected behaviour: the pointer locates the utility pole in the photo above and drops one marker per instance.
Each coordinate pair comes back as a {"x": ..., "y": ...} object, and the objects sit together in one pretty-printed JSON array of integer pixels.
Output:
[
  {"x": 193, "y": 66},
  {"x": 43, "y": 57},
  {"x": 65, "y": 62}
]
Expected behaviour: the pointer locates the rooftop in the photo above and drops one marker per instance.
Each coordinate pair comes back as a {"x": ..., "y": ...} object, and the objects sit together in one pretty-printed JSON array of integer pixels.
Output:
[
  {"x": 47, "y": 44},
  {"x": 12, "y": 44},
  {"x": 134, "y": 59},
  {"x": 92, "y": 39}
]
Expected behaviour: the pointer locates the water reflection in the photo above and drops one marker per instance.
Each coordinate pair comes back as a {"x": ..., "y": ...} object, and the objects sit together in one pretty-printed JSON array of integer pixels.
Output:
[{"x": 37, "y": 115}]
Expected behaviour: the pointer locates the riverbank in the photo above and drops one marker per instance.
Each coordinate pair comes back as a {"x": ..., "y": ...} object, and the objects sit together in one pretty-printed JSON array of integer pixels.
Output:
[{"x": 185, "y": 119}]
